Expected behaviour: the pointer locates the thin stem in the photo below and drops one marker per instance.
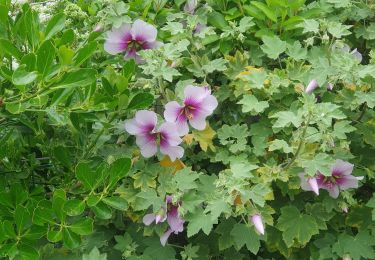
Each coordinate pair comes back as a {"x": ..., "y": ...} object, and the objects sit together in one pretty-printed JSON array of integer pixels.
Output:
[{"x": 300, "y": 143}]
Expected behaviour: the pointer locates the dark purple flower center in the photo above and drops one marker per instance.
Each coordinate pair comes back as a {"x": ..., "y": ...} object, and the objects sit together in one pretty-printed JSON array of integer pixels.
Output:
[{"x": 328, "y": 181}]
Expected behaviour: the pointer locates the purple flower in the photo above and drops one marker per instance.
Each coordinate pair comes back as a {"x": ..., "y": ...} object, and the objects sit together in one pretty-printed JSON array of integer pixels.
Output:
[
  {"x": 340, "y": 179},
  {"x": 148, "y": 136},
  {"x": 130, "y": 39},
  {"x": 175, "y": 222},
  {"x": 312, "y": 85},
  {"x": 199, "y": 28},
  {"x": 258, "y": 223},
  {"x": 198, "y": 103},
  {"x": 190, "y": 6}
]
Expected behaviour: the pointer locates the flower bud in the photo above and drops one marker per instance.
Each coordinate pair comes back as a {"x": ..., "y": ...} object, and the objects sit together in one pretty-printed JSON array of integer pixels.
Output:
[
  {"x": 346, "y": 257},
  {"x": 345, "y": 209},
  {"x": 312, "y": 85},
  {"x": 330, "y": 86},
  {"x": 98, "y": 28},
  {"x": 257, "y": 221},
  {"x": 313, "y": 185}
]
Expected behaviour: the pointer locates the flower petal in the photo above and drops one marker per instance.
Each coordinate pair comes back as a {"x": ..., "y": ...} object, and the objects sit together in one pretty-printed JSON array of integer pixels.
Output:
[
  {"x": 175, "y": 222},
  {"x": 304, "y": 184},
  {"x": 172, "y": 151},
  {"x": 342, "y": 168},
  {"x": 172, "y": 111},
  {"x": 347, "y": 182},
  {"x": 146, "y": 118},
  {"x": 148, "y": 219},
  {"x": 117, "y": 39},
  {"x": 209, "y": 104},
  {"x": 312, "y": 85},
  {"x": 147, "y": 145},
  {"x": 196, "y": 94},
  {"x": 314, "y": 185},
  {"x": 170, "y": 136},
  {"x": 198, "y": 122},
  {"x": 334, "y": 191},
  {"x": 143, "y": 32},
  {"x": 165, "y": 236},
  {"x": 132, "y": 127}
]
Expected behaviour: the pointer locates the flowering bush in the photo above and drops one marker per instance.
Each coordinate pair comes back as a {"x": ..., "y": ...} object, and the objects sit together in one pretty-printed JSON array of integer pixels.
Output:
[{"x": 187, "y": 129}]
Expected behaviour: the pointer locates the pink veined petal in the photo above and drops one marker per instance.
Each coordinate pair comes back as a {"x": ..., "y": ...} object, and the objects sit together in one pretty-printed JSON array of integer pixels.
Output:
[
  {"x": 198, "y": 122},
  {"x": 334, "y": 191},
  {"x": 182, "y": 128},
  {"x": 165, "y": 236},
  {"x": 148, "y": 219},
  {"x": 314, "y": 185},
  {"x": 196, "y": 93},
  {"x": 146, "y": 118},
  {"x": 169, "y": 131},
  {"x": 143, "y": 32},
  {"x": 347, "y": 182},
  {"x": 172, "y": 111},
  {"x": 342, "y": 168},
  {"x": 257, "y": 221},
  {"x": 312, "y": 85},
  {"x": 173, "y": 152},
  {"x": 117, "y": 39},
  {"x": 132, "y": 127},
  {"x": 131, "y": 54},
  {"x": 174, "y": 221},
  {"x": 147, "y": 145},
  {"x": 209, "y": 104}
]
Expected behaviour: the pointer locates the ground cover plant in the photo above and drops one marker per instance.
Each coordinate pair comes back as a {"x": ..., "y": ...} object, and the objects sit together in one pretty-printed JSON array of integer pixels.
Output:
[{"x": 186, "y": 129}]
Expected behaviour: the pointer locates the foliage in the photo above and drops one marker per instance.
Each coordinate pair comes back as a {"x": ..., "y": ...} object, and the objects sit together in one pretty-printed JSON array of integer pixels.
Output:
[{"x": 74, "y": 184}]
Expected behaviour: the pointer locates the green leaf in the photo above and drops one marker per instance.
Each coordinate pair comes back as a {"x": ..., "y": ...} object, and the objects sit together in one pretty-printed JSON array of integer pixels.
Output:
[
  {"x": 148, "y": 198},
  {"x": 140, "y": 101},
  {"x": 217, "y": 207},
  {"x": 341, "y": 128},
  {"x": 296, "y": 51},
  {"x": 116, "y": 202},
  {"x": 45, "y": 56},
  {"x": 28, "y": 252},
  {"x": 71, "y": 240},
  {"x": 321, "y": 162},
  {"x": 296, "y": 227},
  {"x": 200, "y": 221},
  {"x": 54, "y": 235},
  {"x": 9, "y": 48},
  {"x": 102, "y": 211},
  {"x": 74, "y": 207},
  {"x": 186, "y": 179},
  {"x": 82, "y": 227},
  {"x": 217, "y": 20},
  {"x": 285, "y": 118},
  {"x": 361, "y": 245},
  {"x": 123, "y": 242},
  {"x": 55, "y": 25},
  {"x": 251, "y": 104},
  {"x": 118, "y": 170},
  {"x": 23, "y": 77},
  {"x": 266, "y": 10},
  {"x": 273, "y": 46},
  {"x": 338, "y": 29},
  {"x": 43, "y": 213},
  {"x": 22, "y": 218},
  {"x": 214, "y": 65},
  {"x": 371, "y": 204},
  {"x": 310, "y": 25},
  {"x": 242, "y": 169},
  {"x": 84, "y": 53},
  {"x": 58, "y": 201},
  {"x": 78, "y": 78},
  {"x": 89, "y": 177},
  {"x": 245, "y": 235},
  {"x": 94, "y": 255},
  {"x": 279, "y": 145}
]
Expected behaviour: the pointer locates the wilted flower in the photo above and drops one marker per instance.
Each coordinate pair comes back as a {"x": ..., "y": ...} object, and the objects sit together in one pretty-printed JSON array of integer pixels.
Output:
[
  {"x": 312, "y": 85},
  {"x": 190, "y": 6},
  {"x": 345, "y": 48},
  {"x": 340, "y": 179},
  {"x": 131, "y": 38},
  {"x": 197, "y": 105},
  {"x": 175, "y": 222},
  {"x": 148, "y": 136},
  {"x": 258, "y": 223}
]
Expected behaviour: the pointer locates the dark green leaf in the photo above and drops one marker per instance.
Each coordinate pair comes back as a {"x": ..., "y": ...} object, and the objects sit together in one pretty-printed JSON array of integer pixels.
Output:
[
  {"x": 55, "y": 25},
  {"x": 141, "y": 100},
  {"x": 82, "y": 227}
]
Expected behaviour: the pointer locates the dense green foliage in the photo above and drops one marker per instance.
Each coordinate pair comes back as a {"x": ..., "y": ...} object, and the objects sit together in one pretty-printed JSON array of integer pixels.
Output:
[{"x": 73, "y": 184}]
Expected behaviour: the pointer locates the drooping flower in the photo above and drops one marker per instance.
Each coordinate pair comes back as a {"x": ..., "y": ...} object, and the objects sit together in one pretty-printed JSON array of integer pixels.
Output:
[
  {"x": 190, "y": 6},
  {"x": 198, "y": 103},
  {"x": 175, "y": 222},
  {"x": 345, "y": 48},
  {"x": 312, "y": 85},
  {"x": 129, "y": 39},
  {"x": 340, "y": 179},
  {"x": 258, "y": 223},
  {"x": 149, "y": 137},
  {"x": 309, "y": 184}
]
